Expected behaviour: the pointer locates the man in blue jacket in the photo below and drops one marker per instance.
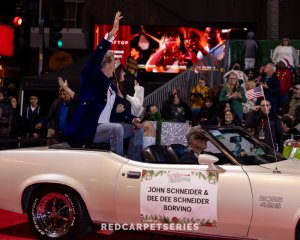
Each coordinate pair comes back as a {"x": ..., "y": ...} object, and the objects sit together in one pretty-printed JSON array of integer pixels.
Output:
[{"x": 99, "y": 117}]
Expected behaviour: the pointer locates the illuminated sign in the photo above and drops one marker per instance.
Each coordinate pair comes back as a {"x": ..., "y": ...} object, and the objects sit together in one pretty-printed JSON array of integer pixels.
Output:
[{"x": 6, "y": 41}]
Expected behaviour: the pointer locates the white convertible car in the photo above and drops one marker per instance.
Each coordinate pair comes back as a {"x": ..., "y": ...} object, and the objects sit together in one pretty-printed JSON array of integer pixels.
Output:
[{"x": 243, "y": 191}]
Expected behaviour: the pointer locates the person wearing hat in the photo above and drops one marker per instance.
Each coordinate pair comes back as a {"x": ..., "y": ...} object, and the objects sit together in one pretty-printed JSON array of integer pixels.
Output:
[{"x": 197, "y": 143}]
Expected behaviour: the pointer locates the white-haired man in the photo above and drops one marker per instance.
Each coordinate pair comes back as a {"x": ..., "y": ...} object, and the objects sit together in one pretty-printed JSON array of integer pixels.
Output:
[
  {"x": 98, "y": 116},
  {"x": 197, "y": 143},
  {"x": 271, "y": 86}
]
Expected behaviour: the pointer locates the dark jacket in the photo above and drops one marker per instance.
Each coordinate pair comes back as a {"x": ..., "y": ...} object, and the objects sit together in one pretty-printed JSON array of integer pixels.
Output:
[
  {"x": 254, "y": 121},
  {"x": 54, "y": 114},
  {"x": 176, "y": 113},
  {"x": 32, "y": 118},
  {"x": 124, "y": 116},
  {"x": 189, "y": 157},
  {"x": 272, "y": 93},
  {"x": 93, "y": 97}
]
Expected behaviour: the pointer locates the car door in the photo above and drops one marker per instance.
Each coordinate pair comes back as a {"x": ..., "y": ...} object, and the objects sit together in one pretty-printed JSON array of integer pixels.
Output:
[{"x": 230, "y": 201}]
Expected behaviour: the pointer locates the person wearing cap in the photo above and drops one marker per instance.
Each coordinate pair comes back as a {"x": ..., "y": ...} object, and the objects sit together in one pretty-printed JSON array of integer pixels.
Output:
[{"x": 197, "y": 143}]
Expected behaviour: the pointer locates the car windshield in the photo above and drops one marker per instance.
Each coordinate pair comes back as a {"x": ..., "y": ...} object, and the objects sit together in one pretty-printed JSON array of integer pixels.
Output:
[{"x": 245, "y": 149}]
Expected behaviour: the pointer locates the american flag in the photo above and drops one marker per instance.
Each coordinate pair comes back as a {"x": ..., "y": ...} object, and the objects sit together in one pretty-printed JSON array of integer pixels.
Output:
[{"x": 255, "y": 93}]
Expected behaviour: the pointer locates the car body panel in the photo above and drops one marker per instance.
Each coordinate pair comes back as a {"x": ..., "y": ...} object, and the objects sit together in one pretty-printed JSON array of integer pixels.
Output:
[
  {"x": 274, "y": 201},
  {"x": 234, "y": 208},
  {"x": 255, "y": 201},
  {"x": 92, "y": 174}
]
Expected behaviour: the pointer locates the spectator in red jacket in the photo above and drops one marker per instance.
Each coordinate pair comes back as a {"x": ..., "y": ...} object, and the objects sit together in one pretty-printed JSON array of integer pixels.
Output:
[{"x": 284, "y": 75}]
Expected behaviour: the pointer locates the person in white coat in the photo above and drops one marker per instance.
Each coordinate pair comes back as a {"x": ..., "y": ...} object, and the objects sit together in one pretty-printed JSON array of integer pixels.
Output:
[
  {"x": 284, "y": 50},
  {"x": 137, "y": 99}
]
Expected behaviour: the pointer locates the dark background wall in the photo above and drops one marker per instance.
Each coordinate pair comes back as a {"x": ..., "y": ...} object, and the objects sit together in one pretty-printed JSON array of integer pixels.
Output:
[
  {"x": 178, "y": 12},
  {"x": 289, "y": 18},
  {"x": 229, "y": 13}
]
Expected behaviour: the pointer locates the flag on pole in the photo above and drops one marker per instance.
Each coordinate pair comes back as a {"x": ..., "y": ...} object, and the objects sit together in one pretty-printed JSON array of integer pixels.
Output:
[{"x": 255, "y": 93}]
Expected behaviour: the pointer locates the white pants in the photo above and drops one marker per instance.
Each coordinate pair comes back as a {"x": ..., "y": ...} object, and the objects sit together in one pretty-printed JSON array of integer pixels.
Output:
[{"x": 249, "y": 63}]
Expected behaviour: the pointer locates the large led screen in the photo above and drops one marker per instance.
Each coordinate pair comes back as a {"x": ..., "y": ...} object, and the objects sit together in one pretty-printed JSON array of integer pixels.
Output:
[{"x": 164, "y": 49}]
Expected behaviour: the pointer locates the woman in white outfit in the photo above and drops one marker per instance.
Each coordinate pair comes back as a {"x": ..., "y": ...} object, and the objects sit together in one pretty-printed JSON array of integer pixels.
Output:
[
  {"x": 285, "y": 51},
  {"x": 137, "y": 99}
]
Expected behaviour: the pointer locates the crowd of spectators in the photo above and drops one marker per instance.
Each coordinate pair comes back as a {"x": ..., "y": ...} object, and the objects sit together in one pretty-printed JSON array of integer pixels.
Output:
[{"x": 272, "y": 117}]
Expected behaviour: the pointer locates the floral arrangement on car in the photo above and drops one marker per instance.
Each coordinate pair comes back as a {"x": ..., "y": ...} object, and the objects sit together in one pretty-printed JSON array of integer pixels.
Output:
[{"x": 291, "y": 149}]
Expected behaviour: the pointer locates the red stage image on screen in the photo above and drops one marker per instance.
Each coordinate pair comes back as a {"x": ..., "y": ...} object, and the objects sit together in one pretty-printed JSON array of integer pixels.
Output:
[
  {"x": 121, "y": 44},
  {"x": 164, "y": 49}
]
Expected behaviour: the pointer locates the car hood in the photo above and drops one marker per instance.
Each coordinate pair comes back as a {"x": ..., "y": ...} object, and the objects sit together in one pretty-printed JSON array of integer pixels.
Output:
[{"x": 289, "y": 166}]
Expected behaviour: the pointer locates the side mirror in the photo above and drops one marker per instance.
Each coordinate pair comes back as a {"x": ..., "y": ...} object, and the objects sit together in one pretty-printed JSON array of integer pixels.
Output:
[{"x": 208, "y": 160}]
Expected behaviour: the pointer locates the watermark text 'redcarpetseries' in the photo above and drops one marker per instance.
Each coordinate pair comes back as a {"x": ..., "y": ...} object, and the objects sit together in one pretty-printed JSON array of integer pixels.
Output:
[{"x": 150, "y": 226}]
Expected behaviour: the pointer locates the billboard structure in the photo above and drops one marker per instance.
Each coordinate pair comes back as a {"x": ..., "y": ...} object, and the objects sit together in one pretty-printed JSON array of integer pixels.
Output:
[{"x": 164, "y": 49}]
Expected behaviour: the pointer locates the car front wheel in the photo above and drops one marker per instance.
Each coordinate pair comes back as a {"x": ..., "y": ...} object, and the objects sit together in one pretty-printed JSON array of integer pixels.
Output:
[{"x": 56, "y": 212}]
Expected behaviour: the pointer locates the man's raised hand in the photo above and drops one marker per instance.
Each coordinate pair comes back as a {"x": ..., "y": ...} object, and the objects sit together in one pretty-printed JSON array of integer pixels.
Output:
[{"x": 115, "y": 28}]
